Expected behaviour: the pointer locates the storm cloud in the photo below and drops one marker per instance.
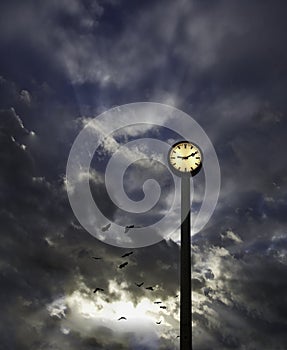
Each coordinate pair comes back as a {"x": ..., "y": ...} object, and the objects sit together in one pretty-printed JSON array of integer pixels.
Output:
[{"x": 63, "y": 63}]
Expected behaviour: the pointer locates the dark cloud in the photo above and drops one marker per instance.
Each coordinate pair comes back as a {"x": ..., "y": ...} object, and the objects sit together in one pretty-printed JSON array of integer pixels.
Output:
[
  {"x": 243, "y": 303},
  {"x": 64, "y": 61}
]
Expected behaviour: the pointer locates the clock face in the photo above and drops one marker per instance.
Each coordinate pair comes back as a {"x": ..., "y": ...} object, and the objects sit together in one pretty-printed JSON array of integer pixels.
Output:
[{"x": 185, "y": 158}]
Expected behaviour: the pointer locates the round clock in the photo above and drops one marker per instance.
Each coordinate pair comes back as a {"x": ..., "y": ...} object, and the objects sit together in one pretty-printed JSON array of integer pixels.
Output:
[{"x": 185, "y": 158}]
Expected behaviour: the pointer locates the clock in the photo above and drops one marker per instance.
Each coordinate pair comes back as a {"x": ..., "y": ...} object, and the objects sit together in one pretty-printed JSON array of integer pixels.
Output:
[{"x": 185, "y": 158}]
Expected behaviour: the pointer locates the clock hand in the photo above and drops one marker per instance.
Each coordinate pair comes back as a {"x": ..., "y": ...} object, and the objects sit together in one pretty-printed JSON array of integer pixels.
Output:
[
  {"x": 184, "y": 157},
  {"x": 192, "y": 154}
]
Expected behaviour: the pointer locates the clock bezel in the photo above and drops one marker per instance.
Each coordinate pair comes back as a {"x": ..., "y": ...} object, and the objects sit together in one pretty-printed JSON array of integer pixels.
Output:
[{"x": 184, "y": 173}]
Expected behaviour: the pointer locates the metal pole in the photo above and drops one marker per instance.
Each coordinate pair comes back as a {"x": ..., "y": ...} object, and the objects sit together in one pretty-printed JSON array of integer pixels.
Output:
[{"x": 185, "y": 268}]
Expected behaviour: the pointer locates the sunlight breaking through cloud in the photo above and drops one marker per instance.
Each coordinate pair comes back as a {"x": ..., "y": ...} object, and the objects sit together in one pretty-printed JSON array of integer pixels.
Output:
[{"x": 86, "y": 312}]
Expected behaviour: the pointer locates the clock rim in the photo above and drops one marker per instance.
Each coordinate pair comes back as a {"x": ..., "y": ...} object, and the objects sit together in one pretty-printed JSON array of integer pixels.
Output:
[{"x": 181, "y": 173}]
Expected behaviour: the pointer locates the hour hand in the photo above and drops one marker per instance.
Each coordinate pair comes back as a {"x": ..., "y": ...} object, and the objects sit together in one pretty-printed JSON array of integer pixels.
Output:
[{"x": 183, "y": 157}]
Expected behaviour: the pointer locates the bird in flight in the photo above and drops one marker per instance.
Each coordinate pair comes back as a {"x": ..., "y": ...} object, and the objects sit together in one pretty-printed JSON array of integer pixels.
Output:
[
  {"x": 121, "y": 318},
  {"x": 99, "y": 290},
  {"x": 96, "y": 258},
  {"x": 157, "y": 302},
  {"x": 105, "y": 228},
  {"x": 127, "y": 254},
  {"x": 123, "y": 265},
  {"x": 163, "y": 307},
  {"x": 127, "y": 228},
  {"x": 149, "y": 288},
  {"x": 139, "y": 284},
  {"x": 158, "y": 322}
]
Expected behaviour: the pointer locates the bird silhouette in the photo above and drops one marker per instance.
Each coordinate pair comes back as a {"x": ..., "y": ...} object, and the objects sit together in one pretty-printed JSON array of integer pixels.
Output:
[
  {"x": 207, "y": 291},
  {"x": 99, "y": 290},
  {"x": 127, "y": 254},
  {"x": 209, "y": 274},
  {"x": 127, "y": 228},
  {"x": 158, "y": 322},
  {"x": 96, "y": 258},
  {"x": 149, "y": 288},
  {"x": 157, "y": 302},
  {"x": 105, "y": 228},
  {"x": 121, "y": 318},
  {"x": 123, "y": 265},
  {"x": 139, "y": 284},
  {"x": 163, "y": 307}
]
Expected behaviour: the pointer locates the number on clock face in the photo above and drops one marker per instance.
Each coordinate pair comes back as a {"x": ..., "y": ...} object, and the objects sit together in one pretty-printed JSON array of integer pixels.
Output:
[{"x": 185, "y": 157}]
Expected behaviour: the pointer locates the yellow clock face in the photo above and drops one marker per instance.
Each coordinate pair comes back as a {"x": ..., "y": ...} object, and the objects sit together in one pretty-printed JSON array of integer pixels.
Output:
[{"x": 185, "y": 157}]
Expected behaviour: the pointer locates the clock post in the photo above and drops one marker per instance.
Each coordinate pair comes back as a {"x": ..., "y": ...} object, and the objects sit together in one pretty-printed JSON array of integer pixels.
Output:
[
  {"x": 185, "y": 268},
  {"x": 185, "y": 160}
]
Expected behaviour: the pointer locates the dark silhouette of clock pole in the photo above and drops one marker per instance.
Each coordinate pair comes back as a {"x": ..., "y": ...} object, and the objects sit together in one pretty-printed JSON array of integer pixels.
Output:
[
  {"x": 185, "y": 268},
  {"x": 185, "y": 160}
]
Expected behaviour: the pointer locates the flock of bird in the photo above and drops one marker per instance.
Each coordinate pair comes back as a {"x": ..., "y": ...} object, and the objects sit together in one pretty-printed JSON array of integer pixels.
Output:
[
  {"x": 127, "y": 228},
  {"x": 139, "y": 285},
  {"x": 124, "y": 264}
]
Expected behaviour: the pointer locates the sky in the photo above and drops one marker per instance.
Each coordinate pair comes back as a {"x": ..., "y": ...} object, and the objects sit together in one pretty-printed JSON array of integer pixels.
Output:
[{"x": 62, "y": 64}]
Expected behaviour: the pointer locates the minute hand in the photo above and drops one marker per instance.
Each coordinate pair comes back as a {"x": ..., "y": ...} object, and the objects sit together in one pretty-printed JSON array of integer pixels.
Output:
[{"x": 192, "y": 154}]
